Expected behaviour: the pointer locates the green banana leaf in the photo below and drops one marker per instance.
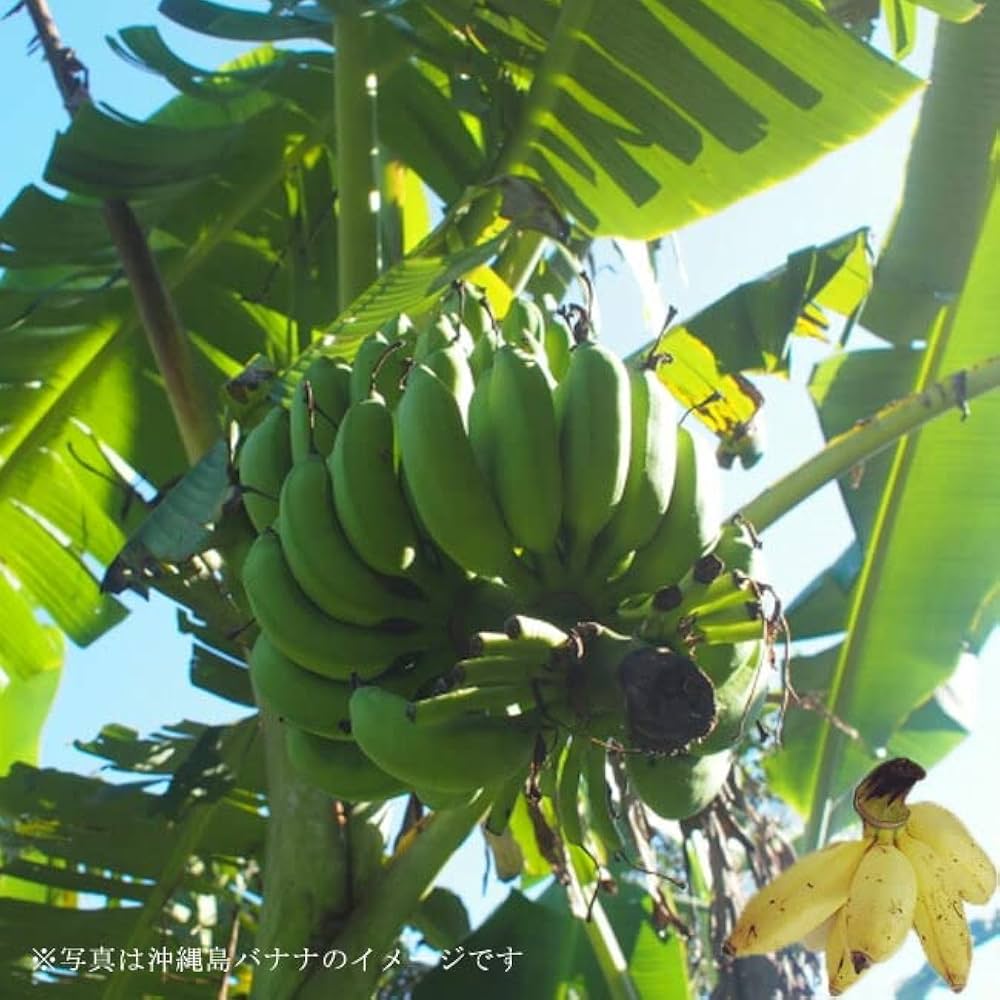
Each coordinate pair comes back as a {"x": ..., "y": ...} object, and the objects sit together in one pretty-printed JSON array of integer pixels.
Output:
[
  {"x": 68, "y": 835},
  {"x": 551, "y": 955},
  {"x": 948, "y": 185},
  {"x": 926, "y": 572},
  {"x": 24, "y": 706}
]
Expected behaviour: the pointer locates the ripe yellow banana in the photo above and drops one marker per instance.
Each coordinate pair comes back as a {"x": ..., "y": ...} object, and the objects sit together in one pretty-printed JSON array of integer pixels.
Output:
[
  {"x": 323, "y": 561},
  {"x": 840, "y": 971},
  {"x": 456, "y": 756},
  {"x": 264, "y": 458},
  {"x": 595, "y": 425},
  {"x": 525, "y": 447},
  {"x": 451, "y": 496},
  {"x": 970, "y": 871},
  {"x": 939, "y": 917},
  {"x": 340, "y": 769},
  {"x": 366, "y": 491},
  {"x": 798, "y": 900},
  {"x": 880, "y": 904},
  {"x": 311, "y": 638}
]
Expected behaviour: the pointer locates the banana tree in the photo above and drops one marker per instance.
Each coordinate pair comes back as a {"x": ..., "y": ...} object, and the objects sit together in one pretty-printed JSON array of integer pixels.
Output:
[{"x": 236, "y": 222}]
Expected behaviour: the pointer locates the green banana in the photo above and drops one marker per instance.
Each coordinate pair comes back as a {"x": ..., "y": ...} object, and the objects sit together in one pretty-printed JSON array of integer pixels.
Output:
[
  {"x": 455, "y": 756},
  {"x": 738, "y": 674},
  {"x": 443, "y": 331},
  {"x": 536, "y": 631},
  {"x": 316, "y": 411},
  {"x": 366, "y": 489},
  {"x": 525, "y": 438},
  {"x": 451, "y": 365},
  {"x": 721, "y": 587},
  {"x": 595, "y": 419},
  {"x": 264, "y": 459},
  {"x": 306, "y": 700},
  {"x": 503, "y": 804},
  {"x": 567, "y": 798},
  {"x": 475, "y": 313},
  {"x": 464, "y": 701},
  {"x": 602, "y": 822},
  {"x": 480, "y": 426},
  {"x": 523, "y": 325},
  {"x": 558, "y": 347},
  {"x": 322, "y": 559},
  {"x": 309, "y": 637},
  {"x": 678, "y": 787},
  {"x": 378, "y": 366},
  {"x": 451, "y": 496},
  {"x": 340, "y": 769},
  {"x": 651, "y": 470},
  {"x": 505, "y": 670},
  {"x": 687, "y": 530}
]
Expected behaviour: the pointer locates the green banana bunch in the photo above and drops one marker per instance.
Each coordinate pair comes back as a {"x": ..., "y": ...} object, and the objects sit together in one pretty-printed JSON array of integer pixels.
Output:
[
  {"x": 314, "y": 640},
  {"x": 459, "y": 754},
  {"x": 263, "y": 461}
]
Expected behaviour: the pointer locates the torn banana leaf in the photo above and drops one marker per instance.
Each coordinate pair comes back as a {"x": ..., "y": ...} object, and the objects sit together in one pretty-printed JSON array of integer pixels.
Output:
[{"x": 702, "y": 360}]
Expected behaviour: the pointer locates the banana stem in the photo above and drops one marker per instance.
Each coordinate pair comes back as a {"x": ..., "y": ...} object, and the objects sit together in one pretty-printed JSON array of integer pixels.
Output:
[
  {"x": 376, "y": 920},
  {"x": 870, "y": 436},
  {"x": 190, "y": 404}
]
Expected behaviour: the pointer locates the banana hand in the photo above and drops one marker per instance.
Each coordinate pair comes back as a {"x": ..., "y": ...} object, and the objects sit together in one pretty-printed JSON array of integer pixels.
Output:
[{"x": 798, "y": 900}]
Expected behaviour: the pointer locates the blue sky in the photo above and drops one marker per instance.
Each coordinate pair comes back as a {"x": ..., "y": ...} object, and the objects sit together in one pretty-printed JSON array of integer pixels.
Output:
[{"x": 134, "y": 672}]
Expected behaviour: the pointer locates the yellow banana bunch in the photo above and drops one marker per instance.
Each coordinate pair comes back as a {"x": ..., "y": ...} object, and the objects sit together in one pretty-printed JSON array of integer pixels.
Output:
[{"x": 910, "y": 870}]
